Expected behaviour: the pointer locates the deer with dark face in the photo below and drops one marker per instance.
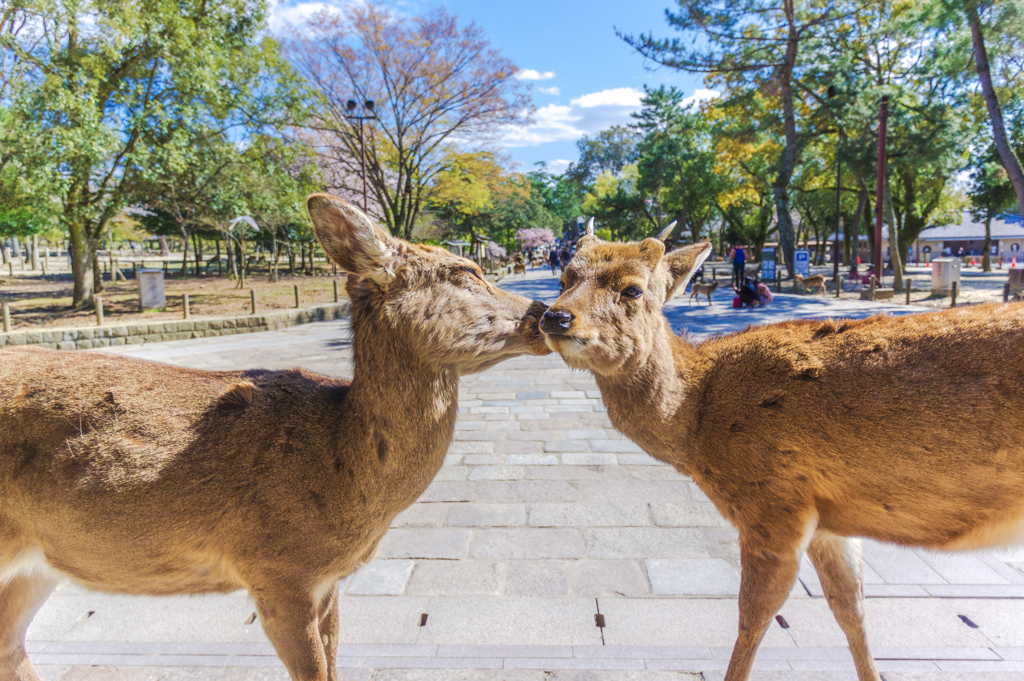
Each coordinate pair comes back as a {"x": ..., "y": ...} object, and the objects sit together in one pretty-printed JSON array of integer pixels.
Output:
[
  {"x": 141, "y": 478},
  {"x": 909, "y": 441}
]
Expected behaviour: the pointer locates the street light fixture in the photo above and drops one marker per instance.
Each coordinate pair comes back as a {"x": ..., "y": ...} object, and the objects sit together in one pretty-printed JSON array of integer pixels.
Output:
[{"x": 368, "y": 114}]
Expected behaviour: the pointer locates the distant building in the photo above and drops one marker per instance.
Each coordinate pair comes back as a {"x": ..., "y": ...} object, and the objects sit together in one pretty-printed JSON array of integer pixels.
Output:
[
  {"x": 1007, "y": 239},
  {"x": 968, "y": 234}
]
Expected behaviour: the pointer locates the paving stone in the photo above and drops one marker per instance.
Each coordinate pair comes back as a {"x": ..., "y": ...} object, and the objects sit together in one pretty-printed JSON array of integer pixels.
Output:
[
  {"x": 487, "y": 515},
  {"x": 528, "y": 621},
  {"x": 692, "y": 577},
  {"x": 644, "y": 542},
  {"x": 609, "y": 578},
  {"x": 531, "y": 395},
  {"x": 615, "y": 446},
  {"x": 380, "y": 578},
  {"x": 425, "y": 543},
  {"x": 518, "y": 447},
  {"x": 585, "y": 434},
  {"x": 449, "y": 491},
  {"x": 422, "y": 515},
  {"x": 525, "y": 491},
  {"x": 566, "y": 446},
  {"x": 497, "y": 473},
  {"x": 633, "y": 490},
  {"x": 452, "y": 473},
  {"x": 638, "y": 460},
  {"x": 687, "y": 514},
  {"x": 532, "y": 459},
  {"x": 458, "y": 447},
  {"x": 898, "y": 565},
  {"x": 588, "y": 459},
  {"x": 537, "y": 578},
  {"x": 484, "y": 459},
  {"x": 589, "y": 515},
  {"x": 527, "y": 544},
  {"x": 456, "y": 578},
  {"x": 679, "y": 622}
]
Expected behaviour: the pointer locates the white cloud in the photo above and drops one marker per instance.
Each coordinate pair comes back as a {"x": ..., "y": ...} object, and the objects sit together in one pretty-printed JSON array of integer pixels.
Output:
[
  {"x": 587, "y": 115},
  {"x": 620, "y": 96},
  {"x": 553, "y": 90},
  {"x": 558, "y": 166},
  {"x": 282, "y": 15},
  {"x": 530, "y": 74}
]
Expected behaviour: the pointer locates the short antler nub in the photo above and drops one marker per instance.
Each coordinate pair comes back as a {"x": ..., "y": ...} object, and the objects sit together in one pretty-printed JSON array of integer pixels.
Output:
[
  {"x": 589, "y": 231},
  {"x": 668, "y": 230}
]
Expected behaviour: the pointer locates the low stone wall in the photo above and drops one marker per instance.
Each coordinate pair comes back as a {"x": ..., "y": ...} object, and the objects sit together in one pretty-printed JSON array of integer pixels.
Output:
[{"x": 84, "y": 338}]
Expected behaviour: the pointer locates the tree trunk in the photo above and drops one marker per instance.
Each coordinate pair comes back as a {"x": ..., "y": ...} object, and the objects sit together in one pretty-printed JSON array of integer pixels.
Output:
[
  {"x": 3, "y": 253},
  {"x": 274, "y": 252},
  {"x": 895, "y": 256},
  {"x": 852, "y": 233},
  {"x": 81, "y": 252},
  {"x": 164, "y": 252},
  {"x": 184, "y": 253},
  {"x": 995, "y": 114},
  {"x": 986, "y": 258},
  {"x": 291, "y": 259},
  {"x": 97, "y": 273},
  {"x": 216, "y": 243},
  {"x": 783, "y": 218}
]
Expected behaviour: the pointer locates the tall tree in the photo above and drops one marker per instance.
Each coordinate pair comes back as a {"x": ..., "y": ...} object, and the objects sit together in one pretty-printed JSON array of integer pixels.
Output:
[
  {"x": 122, "y": 84},
  {"x": 746, "y": 45},
  {"x": 436, "y": 86},
  {"x": 609, "y": 150}
]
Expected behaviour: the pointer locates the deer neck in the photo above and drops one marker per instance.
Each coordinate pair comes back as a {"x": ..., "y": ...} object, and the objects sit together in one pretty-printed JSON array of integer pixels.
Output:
[
  {"x": 652, "y": 405},
  {"x": 403, "y": 408}
]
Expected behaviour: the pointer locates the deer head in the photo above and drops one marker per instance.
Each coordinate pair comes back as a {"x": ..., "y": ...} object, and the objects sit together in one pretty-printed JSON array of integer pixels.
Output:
[
  {"x": 610, "y": 310},
  {"x": 437, "y": 303}
]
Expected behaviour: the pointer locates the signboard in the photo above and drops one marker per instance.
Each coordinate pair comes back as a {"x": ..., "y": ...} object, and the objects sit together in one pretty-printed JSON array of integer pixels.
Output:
[
  {"x": 151, "y": 289},
  {"x": 767, "y": 264},
  {"x": 802, "y": 263}
]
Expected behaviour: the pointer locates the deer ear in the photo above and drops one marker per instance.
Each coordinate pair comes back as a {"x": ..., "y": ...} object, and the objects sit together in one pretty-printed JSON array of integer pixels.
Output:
[
  {"x": 651, "y": 251},
  {"x": 683, "y": 262},
  {"x": 351, "y": 239}
]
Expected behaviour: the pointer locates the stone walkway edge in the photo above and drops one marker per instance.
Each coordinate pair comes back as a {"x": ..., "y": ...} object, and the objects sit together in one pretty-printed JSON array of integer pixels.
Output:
[
  {"x": 89, "y": 337},
  {"x": 384, "y": 656}
]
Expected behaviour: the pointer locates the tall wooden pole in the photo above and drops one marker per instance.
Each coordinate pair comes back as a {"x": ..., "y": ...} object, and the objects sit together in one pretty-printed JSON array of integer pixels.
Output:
[
  {"x": 362, "y": 147},
  {"x": 883, "y": 121}
]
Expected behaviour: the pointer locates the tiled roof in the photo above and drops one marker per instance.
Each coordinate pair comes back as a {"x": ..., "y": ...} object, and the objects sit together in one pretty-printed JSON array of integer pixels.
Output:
[{"x": 1003, "y": 227}]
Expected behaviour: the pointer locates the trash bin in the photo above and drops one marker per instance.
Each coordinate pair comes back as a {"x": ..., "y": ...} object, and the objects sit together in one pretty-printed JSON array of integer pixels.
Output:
[
  {"x": 944, "y": 272},
  {"x": 151, "y": 289}
]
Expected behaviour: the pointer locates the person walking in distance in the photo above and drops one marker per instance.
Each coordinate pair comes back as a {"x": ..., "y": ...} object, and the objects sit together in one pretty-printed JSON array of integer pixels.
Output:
[
  {"x": 554, "y": 260},
  {"x": 739, "y": 261},
  {"x": 564, "y": 256}
]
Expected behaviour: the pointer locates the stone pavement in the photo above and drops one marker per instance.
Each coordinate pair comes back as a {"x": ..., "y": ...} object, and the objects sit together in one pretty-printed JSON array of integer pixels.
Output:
[{"x": 543, "y": 518}]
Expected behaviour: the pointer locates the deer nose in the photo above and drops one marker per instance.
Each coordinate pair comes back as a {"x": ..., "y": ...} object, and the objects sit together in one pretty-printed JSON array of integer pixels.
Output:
[{"x": 556, "y": 321}]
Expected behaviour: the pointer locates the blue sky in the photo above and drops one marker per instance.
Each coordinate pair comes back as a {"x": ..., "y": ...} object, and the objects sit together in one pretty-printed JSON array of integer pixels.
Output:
[{"x": 584, "y": 78}]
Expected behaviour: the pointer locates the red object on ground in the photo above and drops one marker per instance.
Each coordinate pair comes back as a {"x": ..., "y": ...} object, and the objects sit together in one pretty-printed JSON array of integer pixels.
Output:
[{"x": 736, "y": 302}]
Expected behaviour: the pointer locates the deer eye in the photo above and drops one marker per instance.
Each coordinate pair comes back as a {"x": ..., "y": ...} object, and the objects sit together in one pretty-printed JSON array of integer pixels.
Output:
[
  {"x": 633, "y": 292},
  {"x": 561, "y": 286}
]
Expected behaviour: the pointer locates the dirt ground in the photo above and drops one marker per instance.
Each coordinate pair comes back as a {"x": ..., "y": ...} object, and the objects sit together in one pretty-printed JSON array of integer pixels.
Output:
[{"x": 40, "y": 301}]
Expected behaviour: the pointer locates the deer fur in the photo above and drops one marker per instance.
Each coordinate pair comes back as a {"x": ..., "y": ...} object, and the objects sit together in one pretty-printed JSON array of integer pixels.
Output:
[
  {"x": 519, "y": 268},
  {"x": 808, "y": 283},
  {"x": 142, "y": 478},
  {"x": 698, "y": 289},
  {"x": 913, "y": 439}
]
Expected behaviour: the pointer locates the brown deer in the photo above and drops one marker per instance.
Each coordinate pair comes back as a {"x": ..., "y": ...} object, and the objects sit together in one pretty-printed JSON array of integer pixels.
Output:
[
  {"x": 808, "y": 283},
  {"x": 910, "y": 442},
  {"x": 698, "y": 289},
  {"x": 141, "y": 478}
]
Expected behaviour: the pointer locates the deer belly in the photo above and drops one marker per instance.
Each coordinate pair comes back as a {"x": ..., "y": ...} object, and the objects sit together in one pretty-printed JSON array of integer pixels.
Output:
[{"x": 141, "y": 572}]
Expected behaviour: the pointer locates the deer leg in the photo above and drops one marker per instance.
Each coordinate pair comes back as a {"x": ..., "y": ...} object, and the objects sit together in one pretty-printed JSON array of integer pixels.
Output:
[
  {"x": 764, "y": 585},
  {"x": 291, "y": 620},
  {"x": 840, "y": 569},
  {"x": 20, "y": 599},
  {"x": 329, "y": 630}
]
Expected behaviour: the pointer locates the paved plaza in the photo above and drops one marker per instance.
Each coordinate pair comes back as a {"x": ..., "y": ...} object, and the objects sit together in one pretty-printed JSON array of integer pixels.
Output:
[{"x": 543, "y": 518}]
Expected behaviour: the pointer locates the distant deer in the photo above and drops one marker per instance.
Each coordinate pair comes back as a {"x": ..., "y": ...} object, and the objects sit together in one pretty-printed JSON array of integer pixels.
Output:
[
  {"x": 808, "y": 283},
  {"x": 911, "y": 440},
  {"x": 697, "y": 289},
  {"x": 142, "y": 478},
  {"x": 519, "y": 268}
]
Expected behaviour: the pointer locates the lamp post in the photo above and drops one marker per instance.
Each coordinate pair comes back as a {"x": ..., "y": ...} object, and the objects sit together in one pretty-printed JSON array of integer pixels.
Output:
[{"x": 368, "y": 114}]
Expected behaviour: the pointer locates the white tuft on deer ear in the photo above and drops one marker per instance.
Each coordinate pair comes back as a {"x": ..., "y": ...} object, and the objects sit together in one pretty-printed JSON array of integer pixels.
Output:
[
  {"x": 589, "y": 231},
  {"x": 668, "y": 230}
]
